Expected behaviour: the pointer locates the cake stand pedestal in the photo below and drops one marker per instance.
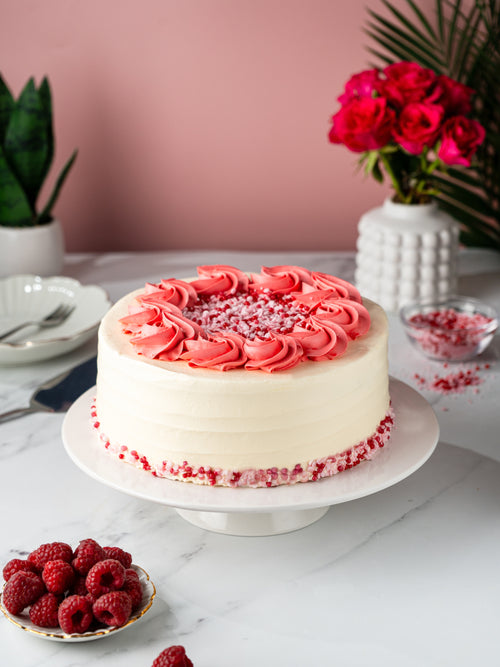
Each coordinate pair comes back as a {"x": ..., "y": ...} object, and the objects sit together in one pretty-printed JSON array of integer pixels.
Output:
[
  {"x": 253, "y": 524},
  {"x": 266, "y": 511}
]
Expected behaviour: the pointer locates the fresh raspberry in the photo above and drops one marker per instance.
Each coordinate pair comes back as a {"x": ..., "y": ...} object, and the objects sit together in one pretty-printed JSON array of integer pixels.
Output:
[
  {"x": 79, "y": 587},
  {"x": 173, "y": 656},
  {"x": 50, "y": 551},
  {"x": 87, "y": 553},
  {"x": 43, "y": 612},
  {"x": 75, "y": 614},
  {"x": 15, "y": 565},
  {"x": 119, "y": 554},
  {"x": 113, "y": 608},
  {"x": 105, "y": 576},
  {"x": 58, "y": 576},
  {"x": 130, "y": 572},
  {"x": 22, "y": 589},
  {"x": 133, "y": 587}
]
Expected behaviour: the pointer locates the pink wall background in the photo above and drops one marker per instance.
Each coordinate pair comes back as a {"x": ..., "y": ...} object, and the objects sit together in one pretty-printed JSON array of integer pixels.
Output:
[{"x": 199, "y": 123}]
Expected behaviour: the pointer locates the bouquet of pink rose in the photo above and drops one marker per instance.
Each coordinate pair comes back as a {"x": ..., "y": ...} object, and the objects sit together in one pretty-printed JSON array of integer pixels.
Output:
[{"x": 410, "y": 122}]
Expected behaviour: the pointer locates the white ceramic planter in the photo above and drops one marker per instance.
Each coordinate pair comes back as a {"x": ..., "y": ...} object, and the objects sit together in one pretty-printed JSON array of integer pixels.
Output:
[
  {"x": 406, "y": 253},
  {"x": 37, "y": 250}
]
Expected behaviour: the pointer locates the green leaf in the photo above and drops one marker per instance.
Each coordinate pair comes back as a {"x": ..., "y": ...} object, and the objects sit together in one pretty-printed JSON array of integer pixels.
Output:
[
  {"x": 26, "y": 143},
  {"x": 6, "y": 106},
  {"x": 46, "y": 104},
  {"x": 45, "y": 215},
  {"x": 422, "y": 18},
  {"x": 407, "y": 49},
  {"x": 403, "y": 19},
  {"x": 412, "y": 43},
  {"x": 15, "y": 210}
]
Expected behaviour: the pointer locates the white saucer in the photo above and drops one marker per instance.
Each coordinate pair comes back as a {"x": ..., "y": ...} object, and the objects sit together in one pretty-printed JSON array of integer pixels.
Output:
[
  {"x": 29, "y": 297},
  {"x": 23, "y": 622},
  {"x": 269, "y": 511}
]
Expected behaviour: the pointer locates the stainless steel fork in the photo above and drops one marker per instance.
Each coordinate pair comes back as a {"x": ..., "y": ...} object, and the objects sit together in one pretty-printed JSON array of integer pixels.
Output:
[{"x": 57, "y": 316}]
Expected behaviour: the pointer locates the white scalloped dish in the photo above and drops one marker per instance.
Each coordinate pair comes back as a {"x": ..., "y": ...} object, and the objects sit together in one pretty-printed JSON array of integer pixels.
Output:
[
  {"x": 29, "y": 297},
  {"x": 22, "y": 621}
]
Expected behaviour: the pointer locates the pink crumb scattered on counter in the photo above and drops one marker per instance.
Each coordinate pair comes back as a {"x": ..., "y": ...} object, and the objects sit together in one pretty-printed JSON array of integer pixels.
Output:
[{"x": 453, "y": 383}]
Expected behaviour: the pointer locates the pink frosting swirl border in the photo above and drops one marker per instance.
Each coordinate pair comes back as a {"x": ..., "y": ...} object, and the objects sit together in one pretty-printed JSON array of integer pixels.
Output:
[{"x": 159, "y": 329}]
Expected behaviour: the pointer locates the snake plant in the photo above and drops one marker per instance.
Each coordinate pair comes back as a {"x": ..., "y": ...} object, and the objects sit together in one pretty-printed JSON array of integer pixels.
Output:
[
  {"x": 460, "y": 39},
  {"x": 26, "y": 155}
]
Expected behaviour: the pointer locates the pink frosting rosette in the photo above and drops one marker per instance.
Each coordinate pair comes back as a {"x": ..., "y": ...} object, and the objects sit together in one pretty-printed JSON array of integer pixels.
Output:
[
  {"x": 218, "y": 352},
  {"x": 165, "y": 341},
  {"x": 284, "y": 279},
  {"x": 321, "y": 339},
  {"x": 327, "y": 312},
  {"x": 350, "y": 315},
  {"x": 173, "y": 291},
  {"x": 311, "y": 297},
  {"x": 278, "y": 353},
  {"x": 341, "y": 288},
  {"x": 138, "y": 317},
  {"x": 219, "y": 279}
]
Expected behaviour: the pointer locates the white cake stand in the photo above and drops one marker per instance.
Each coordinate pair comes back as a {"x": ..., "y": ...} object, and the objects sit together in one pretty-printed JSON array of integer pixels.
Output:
[{"x": 258, "y": 512}]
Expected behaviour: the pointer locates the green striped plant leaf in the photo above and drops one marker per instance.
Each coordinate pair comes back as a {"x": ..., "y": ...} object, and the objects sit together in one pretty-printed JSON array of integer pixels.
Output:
[
  {"x": 15, "y": 210},
  {"x": 26, "y": 145},
  {"x": 27, "y": 153},
  {"x": 6, "y": 106}
]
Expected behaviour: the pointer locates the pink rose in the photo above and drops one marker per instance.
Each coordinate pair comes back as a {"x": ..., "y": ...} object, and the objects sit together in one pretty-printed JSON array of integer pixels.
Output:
[
  {"x": 406, "y": 82},
  {"x": 418, "y": 126},
  {"x": 363, "y": 84},
  {"x": 460, "y": 139},
  {"x": 363, "y": 124},
  {"x": 454, "y": 97}
]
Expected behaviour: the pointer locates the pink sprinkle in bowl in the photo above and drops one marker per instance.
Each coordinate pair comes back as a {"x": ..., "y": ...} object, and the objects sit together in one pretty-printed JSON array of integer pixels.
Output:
[{"x": 454, "y": 329}]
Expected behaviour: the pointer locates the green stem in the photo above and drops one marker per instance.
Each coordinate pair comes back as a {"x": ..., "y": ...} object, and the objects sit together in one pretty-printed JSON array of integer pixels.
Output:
[{"x": 392, "y": 176}]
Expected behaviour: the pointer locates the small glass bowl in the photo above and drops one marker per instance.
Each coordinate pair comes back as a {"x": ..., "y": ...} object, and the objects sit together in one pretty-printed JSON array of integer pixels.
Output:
[{"x": 454, "y": 329}]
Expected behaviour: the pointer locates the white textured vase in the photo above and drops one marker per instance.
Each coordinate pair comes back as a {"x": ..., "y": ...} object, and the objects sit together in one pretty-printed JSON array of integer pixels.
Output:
[
  {"x": 406, "y": 253},
  {"x": 38, "y": 250}
]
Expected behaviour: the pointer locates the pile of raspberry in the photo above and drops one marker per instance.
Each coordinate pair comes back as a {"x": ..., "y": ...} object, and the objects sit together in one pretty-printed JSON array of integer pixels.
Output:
[{"x": 81, "y": 590}]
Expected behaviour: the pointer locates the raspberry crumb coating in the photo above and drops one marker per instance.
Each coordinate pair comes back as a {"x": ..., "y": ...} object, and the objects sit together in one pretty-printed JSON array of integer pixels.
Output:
[{"x": 301, "y": 472}]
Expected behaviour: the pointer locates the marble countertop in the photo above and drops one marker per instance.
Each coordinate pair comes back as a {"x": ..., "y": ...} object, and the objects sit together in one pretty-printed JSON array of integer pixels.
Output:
[{"x": 406, "y": 577}]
